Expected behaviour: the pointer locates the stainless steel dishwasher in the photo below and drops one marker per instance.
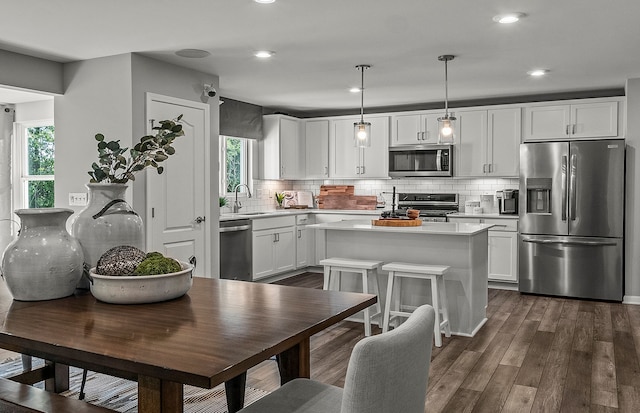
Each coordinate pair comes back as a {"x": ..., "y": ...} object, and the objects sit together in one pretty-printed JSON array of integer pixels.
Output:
[{"x": 235, "y": 249}]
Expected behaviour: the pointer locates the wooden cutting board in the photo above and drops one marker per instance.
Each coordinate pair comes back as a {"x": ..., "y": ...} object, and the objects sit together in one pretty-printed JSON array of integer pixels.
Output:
[
  {"x": 342, "y": 197},
  {"x": 396, "y": 222},
  {"x": 347, "y": 202}
]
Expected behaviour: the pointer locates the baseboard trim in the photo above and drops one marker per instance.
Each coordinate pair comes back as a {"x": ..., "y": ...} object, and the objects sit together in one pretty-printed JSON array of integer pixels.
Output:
[{"x": 631, "y": 299}]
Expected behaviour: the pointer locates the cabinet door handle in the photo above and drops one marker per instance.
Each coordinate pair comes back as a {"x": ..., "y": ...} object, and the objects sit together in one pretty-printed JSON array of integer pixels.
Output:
[
  {"x": 490, "y": 167},
  {"x": 326, "y": 171},
  {"x": 484, "y": 168},
  {"x": 422, "y": 134},
  {"x": 567, "y": 130},
  {"x": 299, "y": 233},
  {"x": 417, "y": 136},
  {"x": 357, "y": 170},
  {"x": 574, "y": 128},
  {"x": 362, "y": 170}
]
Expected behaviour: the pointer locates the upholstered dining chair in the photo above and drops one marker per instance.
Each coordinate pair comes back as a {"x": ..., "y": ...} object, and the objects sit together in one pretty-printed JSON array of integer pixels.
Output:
[{"x": 387, "y": 373}]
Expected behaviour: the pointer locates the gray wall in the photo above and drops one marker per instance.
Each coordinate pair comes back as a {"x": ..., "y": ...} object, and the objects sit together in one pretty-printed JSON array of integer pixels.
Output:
[
  {"x": 31, "y": 73},
  {"x": 632, "y": 223}
]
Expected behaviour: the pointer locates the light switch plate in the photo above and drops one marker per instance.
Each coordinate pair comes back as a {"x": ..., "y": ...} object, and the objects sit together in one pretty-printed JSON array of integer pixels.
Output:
[{"x": 78, "y": 198}]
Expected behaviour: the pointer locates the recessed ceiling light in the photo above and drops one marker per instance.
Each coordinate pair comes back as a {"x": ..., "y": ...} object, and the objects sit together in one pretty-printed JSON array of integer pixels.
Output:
[
  {"x": 193, "y": 53},
  {"x": 264, "y": 54},
  {"x": 354, "y": 90},
  {"x": 265, "y": 1},
  {"x": 508, "y": 18},
  {"x": 537, "y": 72}
]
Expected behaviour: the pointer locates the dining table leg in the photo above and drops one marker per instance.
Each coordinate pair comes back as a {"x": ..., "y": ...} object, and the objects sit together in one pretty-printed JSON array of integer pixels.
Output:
[
  {"x": 295, "y": 362},
  {"x": 156, "y": 396},
  {"x": 235, "y": 389},
  {"x": 60, "y": 380}
]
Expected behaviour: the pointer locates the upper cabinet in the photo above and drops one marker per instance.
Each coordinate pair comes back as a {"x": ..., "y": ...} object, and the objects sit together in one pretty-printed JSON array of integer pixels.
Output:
[
  {"x": 595, "y": 118},
  {"x": 282, "y": 148},
  {"x": 488, "y": 142},
  {"x": 414, "y": 128},
  {"x": 349, "y": 161},
  {"x": 317, "y": 149}
]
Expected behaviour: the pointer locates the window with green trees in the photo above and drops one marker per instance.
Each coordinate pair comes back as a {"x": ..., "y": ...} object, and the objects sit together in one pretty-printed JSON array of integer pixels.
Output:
[
  {"x": 38, "y": 172},
  {"x": 234, "y": 164}
]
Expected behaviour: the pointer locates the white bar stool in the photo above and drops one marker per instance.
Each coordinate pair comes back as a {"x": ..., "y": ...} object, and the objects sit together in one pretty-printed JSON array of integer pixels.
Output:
[
  {"x": 433, "y": 273},
  {"x": 333, "y": 269}
]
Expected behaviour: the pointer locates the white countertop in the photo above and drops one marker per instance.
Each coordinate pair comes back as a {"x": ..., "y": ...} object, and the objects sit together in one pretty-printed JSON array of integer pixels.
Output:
[
  {"x": 488, "y": 216},
  {"x": 293, "y": 211},
  {"x": 427, "y": 228}
]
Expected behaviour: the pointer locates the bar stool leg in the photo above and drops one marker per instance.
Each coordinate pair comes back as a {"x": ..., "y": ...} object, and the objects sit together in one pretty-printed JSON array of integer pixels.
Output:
[
  {"x": 327, "y": 277},
  {"x": 367, "y": 315},
  {"x": 436, "y": 307},
  {"x": 376, "y": 291},
  {"x": 387, "y": 305},
  {"x": 445, "y": 306}
]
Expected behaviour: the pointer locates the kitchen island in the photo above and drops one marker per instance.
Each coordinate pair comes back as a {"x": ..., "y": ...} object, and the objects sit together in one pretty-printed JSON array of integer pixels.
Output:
[{"x": 461, "y": 246}]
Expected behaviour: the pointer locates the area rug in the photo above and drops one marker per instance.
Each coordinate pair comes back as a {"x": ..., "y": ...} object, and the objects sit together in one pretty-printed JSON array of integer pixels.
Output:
[{"x": 122, "y": 395}]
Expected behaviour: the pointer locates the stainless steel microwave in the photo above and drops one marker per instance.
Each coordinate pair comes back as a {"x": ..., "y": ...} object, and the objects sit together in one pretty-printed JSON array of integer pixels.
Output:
[{"x": 421, "y": 160}]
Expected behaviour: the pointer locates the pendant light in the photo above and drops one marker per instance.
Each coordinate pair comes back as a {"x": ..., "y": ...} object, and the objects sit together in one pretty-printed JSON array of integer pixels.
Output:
[
  {"x": 362, "y": 129},
  {"x": 446, "y": 124}
]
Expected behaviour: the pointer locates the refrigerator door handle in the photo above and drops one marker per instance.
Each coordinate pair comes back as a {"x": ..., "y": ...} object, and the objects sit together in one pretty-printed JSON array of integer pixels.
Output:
[
  {"x": 582, "y": 243},
  {"x": 564, "y": 187},
  {"x": 572, "y": 188}
]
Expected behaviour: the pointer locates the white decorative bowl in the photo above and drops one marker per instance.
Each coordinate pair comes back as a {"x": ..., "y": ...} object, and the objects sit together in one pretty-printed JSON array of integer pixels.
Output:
[{"x": 141, "y": 289}]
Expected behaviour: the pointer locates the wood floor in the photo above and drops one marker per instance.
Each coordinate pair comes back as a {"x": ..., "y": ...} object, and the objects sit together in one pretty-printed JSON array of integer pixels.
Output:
[{"x": 535, "y": 354}]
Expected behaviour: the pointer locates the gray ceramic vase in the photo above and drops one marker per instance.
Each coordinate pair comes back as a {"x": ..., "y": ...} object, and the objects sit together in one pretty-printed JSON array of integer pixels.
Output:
[
  {"x": 45, "y": 262},
  {"x": 107, "y": 221}
]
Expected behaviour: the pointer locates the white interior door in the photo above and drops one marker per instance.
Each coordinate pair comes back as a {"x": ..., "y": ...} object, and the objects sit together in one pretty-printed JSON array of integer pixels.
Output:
[{"x": 176, "y": 199}]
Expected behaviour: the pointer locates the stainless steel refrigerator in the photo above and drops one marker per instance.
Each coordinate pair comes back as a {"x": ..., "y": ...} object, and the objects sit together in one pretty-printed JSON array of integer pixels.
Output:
[{"x": 571, "y": 210}]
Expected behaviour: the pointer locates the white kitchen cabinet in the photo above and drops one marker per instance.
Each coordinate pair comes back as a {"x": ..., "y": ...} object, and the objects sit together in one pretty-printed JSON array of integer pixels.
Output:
[
  {"x": 593, "y": 119},
  {"x": 350, "y": 161},
  {"x": 471, "y": 143},
  {"x": 414, "y": 128},
  {"x": 282, "y": 148},
  {"x": 305, "y": 241},
  {"x": 274, "y": 248},
  {"x": 317, "y": 149},
  {"x": 502, "y": 247},
  {"x": 488, "y": 143}
]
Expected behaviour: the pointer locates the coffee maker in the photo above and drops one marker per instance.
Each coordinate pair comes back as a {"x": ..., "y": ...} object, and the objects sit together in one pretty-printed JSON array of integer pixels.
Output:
[{"x": 508, "y": 201}]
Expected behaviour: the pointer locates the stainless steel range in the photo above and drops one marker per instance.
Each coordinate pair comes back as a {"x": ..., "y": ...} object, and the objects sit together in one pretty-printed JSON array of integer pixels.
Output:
[{"x": 432, "y": 207}]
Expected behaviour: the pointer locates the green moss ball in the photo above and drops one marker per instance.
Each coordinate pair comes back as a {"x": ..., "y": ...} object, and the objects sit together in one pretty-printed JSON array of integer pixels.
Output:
[{"x": 157, "y": 264}]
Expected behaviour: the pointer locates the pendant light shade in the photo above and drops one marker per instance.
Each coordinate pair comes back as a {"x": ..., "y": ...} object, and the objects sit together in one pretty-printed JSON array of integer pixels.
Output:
[
  {"x": 446, "y": 123},
  {"x": 362, "y": 129}
]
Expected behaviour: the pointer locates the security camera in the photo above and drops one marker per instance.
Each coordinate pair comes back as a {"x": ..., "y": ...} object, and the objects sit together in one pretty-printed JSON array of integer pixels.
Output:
[{"x": 210, "y": 91}]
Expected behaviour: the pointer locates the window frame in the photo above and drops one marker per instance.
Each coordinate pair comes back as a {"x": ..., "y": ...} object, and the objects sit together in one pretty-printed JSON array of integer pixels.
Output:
[
  {"x": 247, "y": 171},
  {"x": 20, "y": 163}
]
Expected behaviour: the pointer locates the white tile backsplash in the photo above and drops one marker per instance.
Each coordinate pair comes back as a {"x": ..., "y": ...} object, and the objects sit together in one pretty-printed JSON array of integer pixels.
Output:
[{"x": 467, "y": 189}]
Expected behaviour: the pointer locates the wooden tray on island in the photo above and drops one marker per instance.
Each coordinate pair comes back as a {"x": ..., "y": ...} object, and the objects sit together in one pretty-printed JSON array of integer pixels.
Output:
[{"x": 396, "y": 222}]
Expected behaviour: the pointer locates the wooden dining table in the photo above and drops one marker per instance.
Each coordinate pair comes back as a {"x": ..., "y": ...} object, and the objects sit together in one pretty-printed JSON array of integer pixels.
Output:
[{"x": 211, "y": 335}]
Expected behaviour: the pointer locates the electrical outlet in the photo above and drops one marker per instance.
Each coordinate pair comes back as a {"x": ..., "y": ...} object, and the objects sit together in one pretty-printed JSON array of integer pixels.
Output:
[{"x": 78, "y": 198}]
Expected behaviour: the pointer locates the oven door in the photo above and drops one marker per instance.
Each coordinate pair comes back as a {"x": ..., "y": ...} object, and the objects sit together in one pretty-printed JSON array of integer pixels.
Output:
[{"x": 433, "y": 160}]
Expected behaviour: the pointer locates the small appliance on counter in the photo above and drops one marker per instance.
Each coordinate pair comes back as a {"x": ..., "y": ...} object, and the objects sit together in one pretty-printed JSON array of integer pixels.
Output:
[{"x": 507, "y": 201}]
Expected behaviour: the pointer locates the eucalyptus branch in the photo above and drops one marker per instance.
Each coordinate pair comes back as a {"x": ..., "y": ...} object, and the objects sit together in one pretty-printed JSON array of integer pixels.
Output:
[{"x": 114, "y": 166}]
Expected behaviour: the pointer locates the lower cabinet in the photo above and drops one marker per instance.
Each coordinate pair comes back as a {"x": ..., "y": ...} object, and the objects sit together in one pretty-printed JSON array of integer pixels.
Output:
[
  {"x": 274, "y": 246},
  {"x": 305, "y": 241},
  {"x": 503, "y": 247}
]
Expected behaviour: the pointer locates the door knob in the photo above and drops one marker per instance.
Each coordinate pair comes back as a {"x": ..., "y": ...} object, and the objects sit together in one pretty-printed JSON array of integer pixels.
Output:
[{"x": 200, "y": 220}]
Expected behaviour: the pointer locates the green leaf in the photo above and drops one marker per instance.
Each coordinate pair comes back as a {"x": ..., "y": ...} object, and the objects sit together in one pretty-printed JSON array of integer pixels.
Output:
[
  {"x": 169, "y": 150},
  {"x": 113, "y": 145},
  {"x": 138, "y": 167},
  {"x": 159, "y": 157},
  {"x": 99, "y": 137},
  {"x": 102, "y": 145},
  {"x": 160, "y": 170},
  {"x": 176, "y": 128}
]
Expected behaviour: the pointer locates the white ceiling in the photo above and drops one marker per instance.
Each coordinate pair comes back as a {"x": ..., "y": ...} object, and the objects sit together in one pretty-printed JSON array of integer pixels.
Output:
[{"x": 586, "y": 44}]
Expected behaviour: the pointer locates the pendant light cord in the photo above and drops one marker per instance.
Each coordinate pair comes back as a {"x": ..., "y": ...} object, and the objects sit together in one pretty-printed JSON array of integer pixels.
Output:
[
  {"x": 362, "y": 94},
  {"x": 446, "y": 91}
]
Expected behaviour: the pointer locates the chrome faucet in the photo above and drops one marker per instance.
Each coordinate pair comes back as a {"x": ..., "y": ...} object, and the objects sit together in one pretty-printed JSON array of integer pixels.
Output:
[{"x": 236, "y": 204}]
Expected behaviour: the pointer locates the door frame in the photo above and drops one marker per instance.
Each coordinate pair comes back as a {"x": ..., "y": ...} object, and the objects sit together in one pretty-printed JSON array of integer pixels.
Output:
[{"x": 208, "y": 250}]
